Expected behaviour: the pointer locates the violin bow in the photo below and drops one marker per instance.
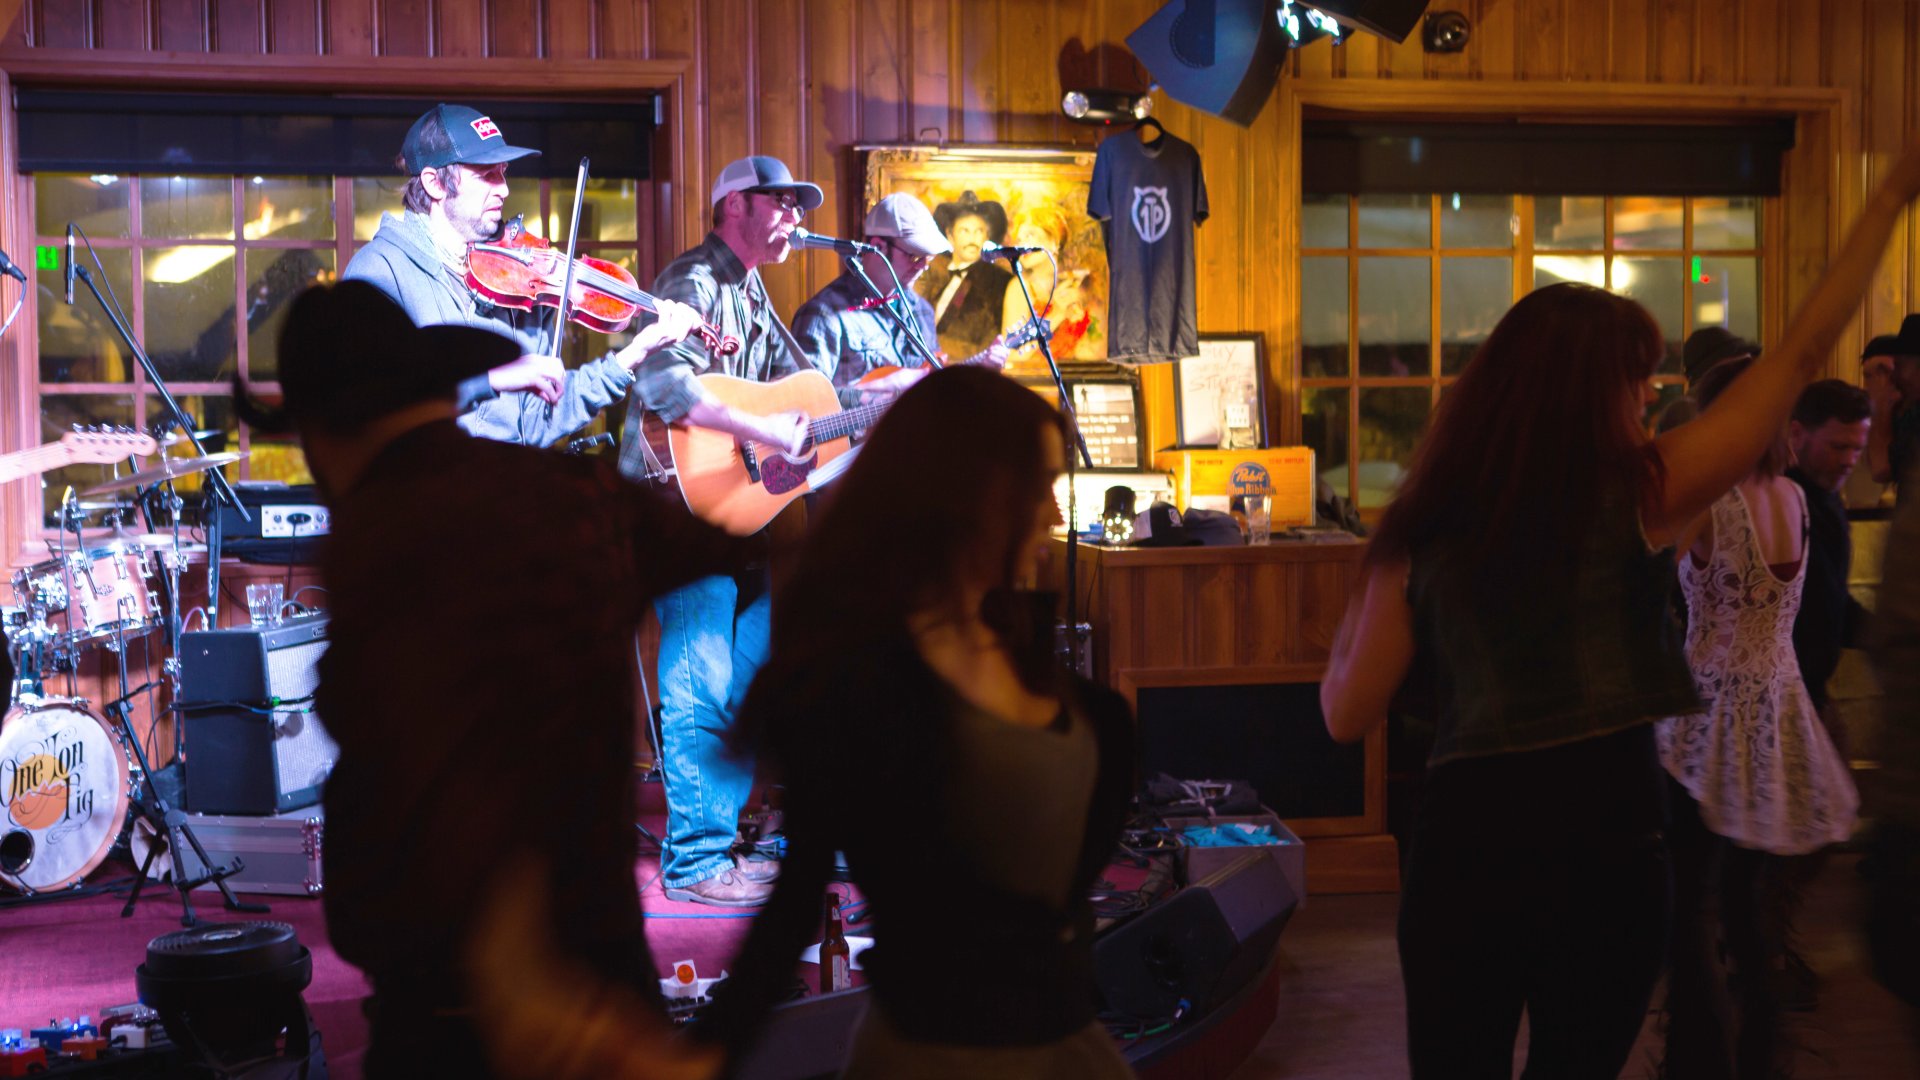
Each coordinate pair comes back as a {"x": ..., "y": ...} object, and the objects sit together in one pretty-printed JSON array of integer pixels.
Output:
[{"x": 573, "y": 241}]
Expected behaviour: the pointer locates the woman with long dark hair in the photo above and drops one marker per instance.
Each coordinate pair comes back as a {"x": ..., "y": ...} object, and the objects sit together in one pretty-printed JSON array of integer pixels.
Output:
[
  {"x": 1518, "y": 586},
  {"x": 921, "y": 725}
]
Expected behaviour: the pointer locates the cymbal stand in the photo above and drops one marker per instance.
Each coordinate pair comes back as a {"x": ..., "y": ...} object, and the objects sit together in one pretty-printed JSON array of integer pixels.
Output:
[{"x": 166, "y": 820}]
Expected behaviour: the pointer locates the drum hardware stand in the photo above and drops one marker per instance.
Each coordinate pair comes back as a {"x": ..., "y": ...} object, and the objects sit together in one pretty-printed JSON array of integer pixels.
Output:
[{"x": 148, "y": 805}]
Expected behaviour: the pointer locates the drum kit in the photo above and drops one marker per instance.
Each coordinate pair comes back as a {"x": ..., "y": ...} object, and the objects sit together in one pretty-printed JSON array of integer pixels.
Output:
[{"x": 73, "y": 780}]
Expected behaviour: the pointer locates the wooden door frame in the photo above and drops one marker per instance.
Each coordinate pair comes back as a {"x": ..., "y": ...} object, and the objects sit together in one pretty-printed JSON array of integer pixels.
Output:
[
  {"x": 1820, "y": 192},
  {"x": 684, "y": 143}
]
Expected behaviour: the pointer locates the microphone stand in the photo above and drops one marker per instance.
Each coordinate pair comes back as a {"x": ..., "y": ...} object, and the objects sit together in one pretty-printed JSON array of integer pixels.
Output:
[
  {"x": 1085, "y": 457},
  {"x": 219, "y": 491},
  {"x": 906, "y": 325}
]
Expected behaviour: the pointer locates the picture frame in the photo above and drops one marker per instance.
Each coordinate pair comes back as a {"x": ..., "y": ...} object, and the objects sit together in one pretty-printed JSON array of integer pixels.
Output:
[
  {"x": 1108, "y": 411},
  {"x": 1233, "y": 364},
  {"x": 1016, "y": 195}
]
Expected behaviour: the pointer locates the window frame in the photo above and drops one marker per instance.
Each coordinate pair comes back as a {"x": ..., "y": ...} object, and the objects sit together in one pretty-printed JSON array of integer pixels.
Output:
[{"x": 1521, "y": 254}]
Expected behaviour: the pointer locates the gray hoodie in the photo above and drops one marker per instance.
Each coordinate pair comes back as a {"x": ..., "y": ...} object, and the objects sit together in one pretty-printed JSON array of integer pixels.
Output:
[{"x": 403, "y": 261}]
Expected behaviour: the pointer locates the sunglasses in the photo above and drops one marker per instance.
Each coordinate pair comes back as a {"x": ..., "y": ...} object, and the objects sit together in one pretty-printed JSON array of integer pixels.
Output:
[{"x": 787, "y": 201}]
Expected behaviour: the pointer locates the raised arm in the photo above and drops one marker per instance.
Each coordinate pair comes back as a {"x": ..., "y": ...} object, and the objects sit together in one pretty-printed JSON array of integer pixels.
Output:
[{"x": 1708, "y": 455}]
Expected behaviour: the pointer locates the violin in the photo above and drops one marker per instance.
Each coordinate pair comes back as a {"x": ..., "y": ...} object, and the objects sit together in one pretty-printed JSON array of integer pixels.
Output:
[{"x": 522, "y": 271}]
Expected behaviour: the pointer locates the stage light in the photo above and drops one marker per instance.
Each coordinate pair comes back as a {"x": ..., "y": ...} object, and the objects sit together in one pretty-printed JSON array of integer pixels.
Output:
[
  {"x": 1446, "y": 32},
  {"x": 1301, "y": 24},
  {"x": 1106, "y": 106}
]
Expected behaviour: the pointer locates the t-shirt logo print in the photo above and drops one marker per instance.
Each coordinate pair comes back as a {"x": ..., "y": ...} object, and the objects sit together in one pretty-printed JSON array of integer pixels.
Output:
[
  {"x": 1152, "y": 213},
  {"x": 485, "y": 128}
]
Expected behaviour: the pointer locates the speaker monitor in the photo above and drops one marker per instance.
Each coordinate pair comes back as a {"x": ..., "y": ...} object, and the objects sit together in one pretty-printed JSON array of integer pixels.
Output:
[
  {"x": 243, "y": 754},
  {"x": 1202, "y": 946},
  {"x": 1389, "y": 18},
  {"x": 1219, "y": 56}
]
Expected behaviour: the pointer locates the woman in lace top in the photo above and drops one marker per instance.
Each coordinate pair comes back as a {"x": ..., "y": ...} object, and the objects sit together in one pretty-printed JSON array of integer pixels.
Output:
[{"x": 1755, "y": 777}]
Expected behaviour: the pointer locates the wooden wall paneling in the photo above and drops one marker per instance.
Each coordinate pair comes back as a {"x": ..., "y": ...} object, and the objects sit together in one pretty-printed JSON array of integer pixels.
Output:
[
  {"x": 1587, "y": 29},
  {"x": 1266, "y": 634},
  {"x": 1801, "y": 37},
  {"x": 1362, "y": 53},
  {"x": 833, "y": 112},
  {"x": 122, "y": 24},
  {"x": 1627, "y": 49},
  {"x": 1030, "y": 80},
  {"x": 1077, "y": 25},
  {"x": 1491, "y": 48},
  {"x": 1912, "y": 133},
  {"x": 882, "y": 83},
  {"x": 729, "y": 56},
  {"x": 674, "y": 31},
  {"x": 1885, "y": 112},
  {"x": 350, "y": 27},
  {"x": 623, "y": 29},
  {"x": 1160, "y": 637},
  {"x": 406, "y": 28},
  {"x": 1406, "y": 60},
  {"x": 1672, "y": 55},
  {"x": 929, "y": 75},
  {"x": 1541, "y": 40},
  {"x": 238, "y": 26},
  {"x": 1316, "y": 61},
  {"x": 293, "y": 27},
  {"x": 779, "y": 118},
  {"x": 1320, "y": 592},
  {"x": 56, "y": 24},
  {"x": 1717, "y": 40},
  {"x": 1212, "y": 599},
  {"x": 458, "y": 30},
  {"x": 1762, "y": 56},
  {"x": 514, "y": 28},
  {"x": 571, "y": 29},
  {"x": 182, "y": 26},
  {"x": 977, "y": 78}
]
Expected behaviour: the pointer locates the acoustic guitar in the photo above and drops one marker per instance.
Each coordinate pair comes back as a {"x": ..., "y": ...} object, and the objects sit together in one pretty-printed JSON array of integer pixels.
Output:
[
  {"x": 1034, "y": 330},
  {"x": 742, "y": 486},
  {"x": 76, "y": 447}
]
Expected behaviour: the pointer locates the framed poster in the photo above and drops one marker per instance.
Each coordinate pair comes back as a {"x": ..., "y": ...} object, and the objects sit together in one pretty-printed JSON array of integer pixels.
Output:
[
  {"x": 1109, "y": 414},
  {"x": 1225, "y": 384},
  {"x": 1018, "y": 196}
]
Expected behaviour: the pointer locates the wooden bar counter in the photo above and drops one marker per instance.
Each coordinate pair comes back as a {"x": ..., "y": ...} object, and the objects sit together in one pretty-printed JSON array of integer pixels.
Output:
[{"x": 1221, "y": 651}]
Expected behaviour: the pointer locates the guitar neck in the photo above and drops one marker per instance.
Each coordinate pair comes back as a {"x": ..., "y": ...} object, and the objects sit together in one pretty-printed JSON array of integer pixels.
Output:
[
  {"x": 845, "y": 423},
  {"x": 29, "y": 462}
]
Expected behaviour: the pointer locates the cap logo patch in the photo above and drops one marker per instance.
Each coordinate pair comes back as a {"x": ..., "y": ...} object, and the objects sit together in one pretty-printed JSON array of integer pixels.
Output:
[{"x": 485, "y": 128}]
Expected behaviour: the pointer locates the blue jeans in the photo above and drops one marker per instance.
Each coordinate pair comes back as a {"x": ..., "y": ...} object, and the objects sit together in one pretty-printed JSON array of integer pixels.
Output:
[{"x": 713, "y": 637}]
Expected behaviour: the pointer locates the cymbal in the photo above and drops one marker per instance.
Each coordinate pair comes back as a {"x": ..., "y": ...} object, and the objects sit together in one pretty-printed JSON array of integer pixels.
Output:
[
  {"x": 208, "y": 435},
  {"x": 168, "y": 469}
]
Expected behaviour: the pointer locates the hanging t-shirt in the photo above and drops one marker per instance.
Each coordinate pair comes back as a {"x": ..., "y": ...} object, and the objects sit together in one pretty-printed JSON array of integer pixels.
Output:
[{"x": 1149, "y": 197}]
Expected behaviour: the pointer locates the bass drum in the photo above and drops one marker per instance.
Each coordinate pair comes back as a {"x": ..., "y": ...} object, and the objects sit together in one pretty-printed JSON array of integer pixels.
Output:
[{"x": 63, "y": 794}]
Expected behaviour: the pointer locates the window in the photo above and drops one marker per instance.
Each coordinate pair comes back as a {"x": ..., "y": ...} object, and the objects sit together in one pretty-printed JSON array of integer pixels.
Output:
[
  {"x": 1397, "y": 291},
  {"x": 204, "y": 267}
]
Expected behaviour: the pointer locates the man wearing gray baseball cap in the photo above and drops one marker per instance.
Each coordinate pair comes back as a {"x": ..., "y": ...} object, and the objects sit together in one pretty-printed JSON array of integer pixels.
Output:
[
  {"x": 713, "y": 632},
  {"x": 456, "y": 162},
  {"x": 847, "y": 331}
]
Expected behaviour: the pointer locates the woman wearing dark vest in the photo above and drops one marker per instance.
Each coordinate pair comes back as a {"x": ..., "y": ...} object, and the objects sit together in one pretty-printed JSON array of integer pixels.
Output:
[{"x": 1518, "y": 587}]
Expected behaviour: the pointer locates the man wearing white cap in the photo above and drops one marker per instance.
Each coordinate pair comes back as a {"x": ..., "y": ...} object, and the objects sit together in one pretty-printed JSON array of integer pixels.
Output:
[
  {"x": 713, "y": 632},
  {"x": 846, "y": 330}
]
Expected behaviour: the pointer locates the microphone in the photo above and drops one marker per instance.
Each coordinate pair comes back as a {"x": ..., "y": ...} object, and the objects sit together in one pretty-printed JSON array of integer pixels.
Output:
[
  {"x": 8, "y": 268},
  {"x": 804, "y": 240},
  {"x": 69, "y": 264},
  {"x": 991, "y": 250}
]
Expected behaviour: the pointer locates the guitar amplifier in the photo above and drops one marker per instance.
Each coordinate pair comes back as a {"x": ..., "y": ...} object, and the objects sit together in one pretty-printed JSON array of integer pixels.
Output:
[
  {"x": 252, "y": 744},
  {"x": 287, "y": 523}
]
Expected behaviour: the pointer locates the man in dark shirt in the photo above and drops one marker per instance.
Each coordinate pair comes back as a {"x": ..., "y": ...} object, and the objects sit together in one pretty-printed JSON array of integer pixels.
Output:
[
  {"x": 1891, "y": 365},
  {"x": 484, "y": 598},
  {"x": 1828, "y": 434}
]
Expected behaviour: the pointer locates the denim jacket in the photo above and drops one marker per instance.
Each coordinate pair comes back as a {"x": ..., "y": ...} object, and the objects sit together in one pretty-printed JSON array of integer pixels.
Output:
[
  {"x": 1601, "y": 654},
  {"x": 844, "y": 336}
]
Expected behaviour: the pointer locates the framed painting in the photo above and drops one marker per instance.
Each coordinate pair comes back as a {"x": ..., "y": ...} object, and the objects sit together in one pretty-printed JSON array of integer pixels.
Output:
[
  {"x": 1016, "y": 196},
  {"x": 1222, "y": 388}
]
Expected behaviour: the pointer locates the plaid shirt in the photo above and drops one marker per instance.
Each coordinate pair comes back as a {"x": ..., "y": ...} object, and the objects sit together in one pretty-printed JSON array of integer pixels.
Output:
[{"x": 711, "y": 280}]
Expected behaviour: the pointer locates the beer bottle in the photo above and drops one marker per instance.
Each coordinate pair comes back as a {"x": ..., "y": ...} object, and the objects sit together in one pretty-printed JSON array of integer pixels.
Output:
[{"x": 836, "y": 960}]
